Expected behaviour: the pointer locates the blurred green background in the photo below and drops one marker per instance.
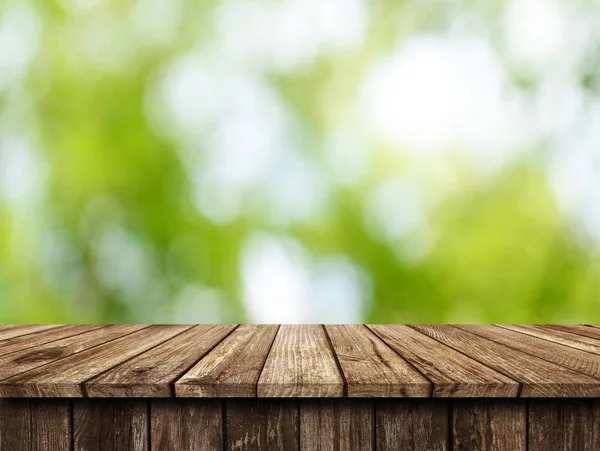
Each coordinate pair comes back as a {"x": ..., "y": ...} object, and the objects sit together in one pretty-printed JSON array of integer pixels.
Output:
[{"x": 299, "y": 161}]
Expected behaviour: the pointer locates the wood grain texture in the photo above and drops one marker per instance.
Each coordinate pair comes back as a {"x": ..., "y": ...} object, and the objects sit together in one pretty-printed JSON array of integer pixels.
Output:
[
  {"x": 454, "y": 375},
  {"x": 26, "y": 359},
  {"x": 16, "y": 330},
  {"x": 563, "y": 425},
  {"x": 186, "y": 425},
  {"x": 34, "y": 425},
  {"x": 152, "y": 373},
  {"x": 45, "y": 336},
  {"x": 371, "y": 368},
  {"x": 261, "y": 424},
  {"x": 65, "y": 377},
  {"x": 577, "y": 329},
  {"x": 539, "y": 378},
  {"x": 577, "y": 360},
  {"x": 343, "y": 425},
  {"x": 300, "y": 364},
  {"x": 412, "y": 425},
  {"x": 232, "y": 368},
  {"x": 557, "y": 336},
  {"x": 489, "y": 425},
  {"x": 110, "y": 425}
]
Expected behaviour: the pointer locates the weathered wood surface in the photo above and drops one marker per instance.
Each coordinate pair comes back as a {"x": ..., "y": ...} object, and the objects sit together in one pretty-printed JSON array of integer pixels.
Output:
[{"x": 308, "y": 361}]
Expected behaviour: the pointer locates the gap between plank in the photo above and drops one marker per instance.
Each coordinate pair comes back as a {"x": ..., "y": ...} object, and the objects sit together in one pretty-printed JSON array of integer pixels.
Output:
[
  {"x": 407, "y": 362},
  {"x": 84, "y": 389},
  {"x": 182, "y": 373},
  {"x": 262, "y": 368},
  {"x": 520, "y": 384},
  {"x": 337, "y": 362},
  {"x": 70, "y": 355}
]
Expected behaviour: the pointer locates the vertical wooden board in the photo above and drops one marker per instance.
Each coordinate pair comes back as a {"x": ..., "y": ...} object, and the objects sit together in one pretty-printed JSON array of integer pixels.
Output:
[
  {"x": 110, "y": 425},
  {"x": 411, "y": 425},
  {"x": 34, "y": 425},
  {"x": 565, "y": 424},
  {"x": 14, "y": 425},
  {"x": 489, "y": 425},
  {"x": 186, "y": 425},
  {"x": 261, "y": 425},
  {"x": 300, "y": 364},
  {"x": 343, "y": 425}
]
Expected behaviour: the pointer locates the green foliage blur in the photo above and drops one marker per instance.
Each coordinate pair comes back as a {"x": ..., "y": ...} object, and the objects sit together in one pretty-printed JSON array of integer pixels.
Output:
[{"x": 116, "y": 206}]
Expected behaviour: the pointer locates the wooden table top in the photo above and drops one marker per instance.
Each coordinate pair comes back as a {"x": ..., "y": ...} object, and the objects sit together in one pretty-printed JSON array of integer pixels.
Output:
[{"x": 302, "y": 361}]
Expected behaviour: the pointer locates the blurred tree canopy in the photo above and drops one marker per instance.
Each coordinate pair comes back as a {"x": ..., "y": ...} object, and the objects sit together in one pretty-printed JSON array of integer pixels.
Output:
[{"x": 257, "y": 161}]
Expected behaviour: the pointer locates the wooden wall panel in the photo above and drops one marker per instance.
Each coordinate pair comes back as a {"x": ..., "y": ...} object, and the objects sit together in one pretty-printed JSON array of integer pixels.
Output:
[
  {"x": 110, "y": 425},
  {"x": 336, "y": 425},
  {"x": 186, "y": 425},
  {"x": 563, "y": 425},
  {"x": 35, "y": 425},
  {"x": 484, "y": 425},
  {"x": 261, "y": 425},
  {"x": 412, "y": 425}
]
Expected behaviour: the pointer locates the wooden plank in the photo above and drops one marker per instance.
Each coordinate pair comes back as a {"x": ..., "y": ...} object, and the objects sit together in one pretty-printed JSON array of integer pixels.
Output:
[
  {"x": 300, "y": 364},
  {"x": 21, "y": 361},
  {"x": 34, "y": 425},
  {"x": 16, "y": 330},
  {"x": 557, "y": 336},
  {"x": 489, "y": 425},
  {"x": 343, "y": 425},
  {"x": 577, "y": 360},
  {"x": 584, "y": 331},
  {"x": 538, "y": 377},
  {"x": 64, "y": 377},
  {"x": 152, "y": 373},
  {"x": 232, "y": 368},
  {"x": 454, "y": 375},
  {"x": 411, "y": 425},
  {"x": 261, "y": 424},
  {"x": 46, "y": 336},
  {"x": 110, "y": 425},
  {"x": 564, "y": 424},
  {"x": 371, "y": 368},
  {"x": 186, "y": 425}
]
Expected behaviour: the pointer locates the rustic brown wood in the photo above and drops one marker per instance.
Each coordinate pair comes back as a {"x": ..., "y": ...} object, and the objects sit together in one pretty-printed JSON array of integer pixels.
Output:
[
  {"x": 64, "y": 377},
  {"x": 371, "y": 368},
  {"x": 16, "y": 330},
  {"x": 344, "y": 425},
  {"x": 26, "y": 359},
  {"x": 563, "y": 425},
  {"x": 261, "y": 424},
  {"x": 34, "y": 425},
  {"x": 186, "y": 425},
  {"x": 584, "y": 331},
  {"x": 45, "y": 336},
  {"x": 300, "y": 364},
  {"x": 231, "y": 369},
  {"x": 489, "y": 425},
  {"x": 412, "y": 425},
  {"x": 110, "y": 425},
  {"x": 577, "y": 360},
  {"x": 557, "y": 336},
  {"x": 453, "y": 374},
  {"x": 539, "y": 378},
  {"x": 152, "y": 373}
]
